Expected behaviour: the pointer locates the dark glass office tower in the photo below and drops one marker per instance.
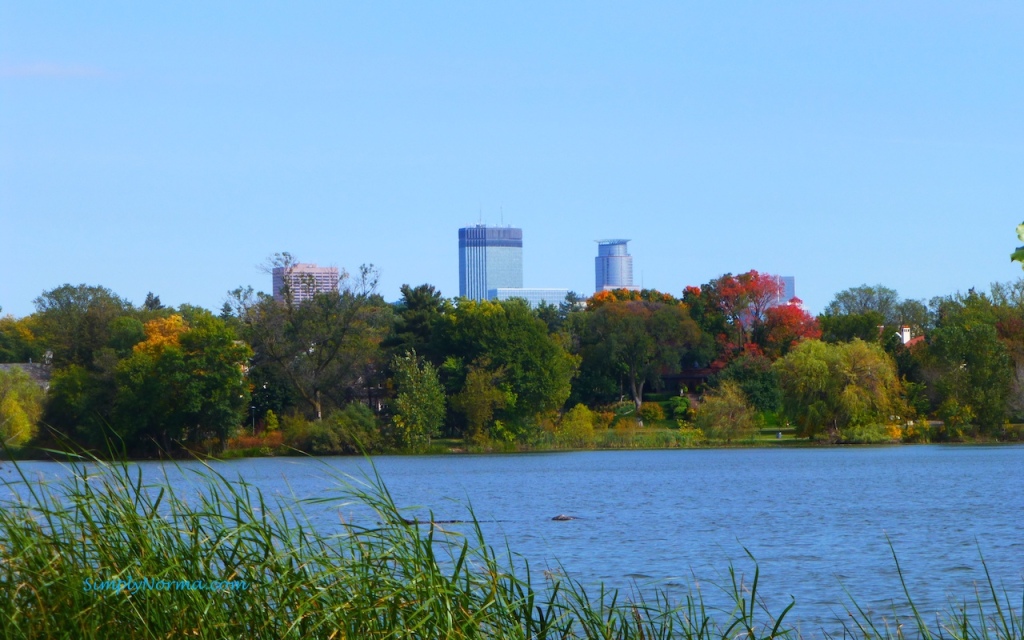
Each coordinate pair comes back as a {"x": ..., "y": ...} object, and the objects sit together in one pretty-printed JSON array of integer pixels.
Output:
[{"x": 489, "y": 258}]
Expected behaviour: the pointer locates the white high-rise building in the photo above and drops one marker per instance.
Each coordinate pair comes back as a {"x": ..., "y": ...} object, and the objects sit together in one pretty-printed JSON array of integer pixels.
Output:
[{"x": 302, "y": 281}]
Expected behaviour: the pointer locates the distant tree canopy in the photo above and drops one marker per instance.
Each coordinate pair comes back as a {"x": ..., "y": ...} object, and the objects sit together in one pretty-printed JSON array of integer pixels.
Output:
[
  {"x": 75, "y": 322},
  {"x": 18, "y": 342},
  {"x": 343, "y": 371},
  {"x": 852, "y": 309}
]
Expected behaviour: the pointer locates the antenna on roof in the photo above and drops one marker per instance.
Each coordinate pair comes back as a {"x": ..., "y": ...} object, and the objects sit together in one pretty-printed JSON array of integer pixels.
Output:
[
  {"x": 502, "y": 210},
  {"x": 480, "y": 218}
]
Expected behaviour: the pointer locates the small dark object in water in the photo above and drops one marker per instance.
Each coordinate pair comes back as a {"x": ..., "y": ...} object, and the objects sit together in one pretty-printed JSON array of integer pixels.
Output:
[{"x": 563, "y": 518}]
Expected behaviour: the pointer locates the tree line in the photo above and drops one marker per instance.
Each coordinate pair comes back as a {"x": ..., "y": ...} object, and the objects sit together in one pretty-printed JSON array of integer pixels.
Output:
[{"x": 347, "y": 371}]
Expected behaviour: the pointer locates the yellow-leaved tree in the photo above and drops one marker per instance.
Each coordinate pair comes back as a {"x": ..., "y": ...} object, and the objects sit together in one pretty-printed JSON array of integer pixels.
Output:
[
  {"x": 162, "y": 333},
  {"x": 21, "y": 404}
]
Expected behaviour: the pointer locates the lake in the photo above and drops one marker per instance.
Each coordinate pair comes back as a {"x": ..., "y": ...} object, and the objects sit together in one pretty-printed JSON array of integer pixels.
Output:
[{"x": 818, "y": 521}]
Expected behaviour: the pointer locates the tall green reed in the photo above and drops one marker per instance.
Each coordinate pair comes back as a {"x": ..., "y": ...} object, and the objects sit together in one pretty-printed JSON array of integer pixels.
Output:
[
  {"x": 385, "y": 579},
  {"x": 381, "y": 577}
]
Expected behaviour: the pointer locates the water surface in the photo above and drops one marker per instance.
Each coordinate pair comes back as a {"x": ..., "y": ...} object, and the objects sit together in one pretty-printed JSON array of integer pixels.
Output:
[{"x": 818, "y": 521}]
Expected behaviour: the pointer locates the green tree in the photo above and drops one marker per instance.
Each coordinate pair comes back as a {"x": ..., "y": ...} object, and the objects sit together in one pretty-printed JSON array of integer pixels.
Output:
[
  {"x": 638, "y": 341},
  {"x": 419, "y": 406},
  {"x": 845, "y": 327},
  {"x": 182, "y": 388},
  {"x": 416, "y": 314},
  {"x": 17, "y": 340},
  {"x": 481, "y": 395},
  {"x": 152, "y": 302},
  {"x": 350, "y": 430},
  {"x": 973, "y": 366},
  {"x": 831, "y": 387},
  {"x": 863, "y": 299},
  {"x": 725, "y": 414},
  {"x": 323, "y": 349},
  {"x": 880, "y": 303},
  {"x": 74, "y": 321},
  {"x": 79, "y": 405},
  {"x": 532, "y": 368},
  {"x": 125, "y": 332},
  {"x": 756, "y": 378}
]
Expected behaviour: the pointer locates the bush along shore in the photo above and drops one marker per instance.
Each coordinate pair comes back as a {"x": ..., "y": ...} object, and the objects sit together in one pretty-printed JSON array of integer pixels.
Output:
[{"x": 100, "y": 554}]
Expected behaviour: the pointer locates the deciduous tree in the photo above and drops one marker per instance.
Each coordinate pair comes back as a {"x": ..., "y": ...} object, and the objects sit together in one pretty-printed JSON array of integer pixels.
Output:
[
  {"x": 17, "y": 341},
  {"x": 974, "y": 368},
  {"x": 184, "y": 384},
  {"x": 830, "y": 387},
  {"x": 74, "y": 321},
  {"x": 21, "y": 404},
  {"x": 784, "y": 326},
  {"x": 419, "y": 406},
  {"x": 323, "y": 348},
  {"x": 535, "y": 370},
  {"x": 638, "y": 340}
]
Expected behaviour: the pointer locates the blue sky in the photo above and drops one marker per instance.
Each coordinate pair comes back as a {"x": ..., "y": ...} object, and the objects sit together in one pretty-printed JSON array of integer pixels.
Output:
[{"x": 172, "y": 147}]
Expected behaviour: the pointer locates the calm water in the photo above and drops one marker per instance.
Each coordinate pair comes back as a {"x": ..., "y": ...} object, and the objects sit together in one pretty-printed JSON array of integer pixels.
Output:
[{"x": 816, "y": 520}]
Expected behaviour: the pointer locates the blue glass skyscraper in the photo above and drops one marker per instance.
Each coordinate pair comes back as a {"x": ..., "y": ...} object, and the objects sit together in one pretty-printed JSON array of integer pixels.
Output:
[
  {"x": 613, "y": 267},
  {"x": 489, "y": 258}
]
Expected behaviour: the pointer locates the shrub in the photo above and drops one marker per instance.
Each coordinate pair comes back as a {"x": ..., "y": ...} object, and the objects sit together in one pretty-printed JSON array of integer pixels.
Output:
[
  {"x": 680, "y": 406},
  {"x": 866, "y": 434},
  {"x": 270, "y": 421},
  {"x": 269, "y": 440},
  {"x": 603, "y": 419},
  {"x": 576, "y": 428},
  {"x": 957, "y": 419},
  {"x": 726, "y": 415},
  {"x": 691, "y": 437},
  {"x": 917, "y": 431},
  {"x": 651, "y": 412},
  {"x": 351, "y": 430}
]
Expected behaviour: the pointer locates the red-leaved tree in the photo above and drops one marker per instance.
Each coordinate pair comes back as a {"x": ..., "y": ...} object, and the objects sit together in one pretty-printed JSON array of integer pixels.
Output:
[{"x": 784, "y": 326}]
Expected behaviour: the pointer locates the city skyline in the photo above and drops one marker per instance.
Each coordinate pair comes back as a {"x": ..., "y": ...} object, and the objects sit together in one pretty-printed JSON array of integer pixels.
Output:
[{"x": 172, "y": 148}]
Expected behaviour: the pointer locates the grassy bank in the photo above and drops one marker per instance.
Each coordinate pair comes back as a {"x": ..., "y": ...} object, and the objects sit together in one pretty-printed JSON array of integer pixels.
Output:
[{"x": 101, "y": 555}]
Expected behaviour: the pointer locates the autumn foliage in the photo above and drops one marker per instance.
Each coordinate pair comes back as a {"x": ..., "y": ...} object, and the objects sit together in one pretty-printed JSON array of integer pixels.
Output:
[
  {"x": 162, "y": 333},
  {"x": 629, "y": 295},
  {"x": 785, "y": 326}
]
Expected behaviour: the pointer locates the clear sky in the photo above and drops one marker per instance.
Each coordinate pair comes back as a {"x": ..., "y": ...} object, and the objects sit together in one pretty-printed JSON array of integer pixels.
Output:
[{"x": 171, "y": 147}]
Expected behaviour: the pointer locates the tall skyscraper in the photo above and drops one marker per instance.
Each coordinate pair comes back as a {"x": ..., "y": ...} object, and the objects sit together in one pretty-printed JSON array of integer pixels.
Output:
[
  {"x": 788, "y": 286},
  {"x": 613, "y": 266},
  {"x": 303, "y": 281},
  {"x": 489, "y": 258}
]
